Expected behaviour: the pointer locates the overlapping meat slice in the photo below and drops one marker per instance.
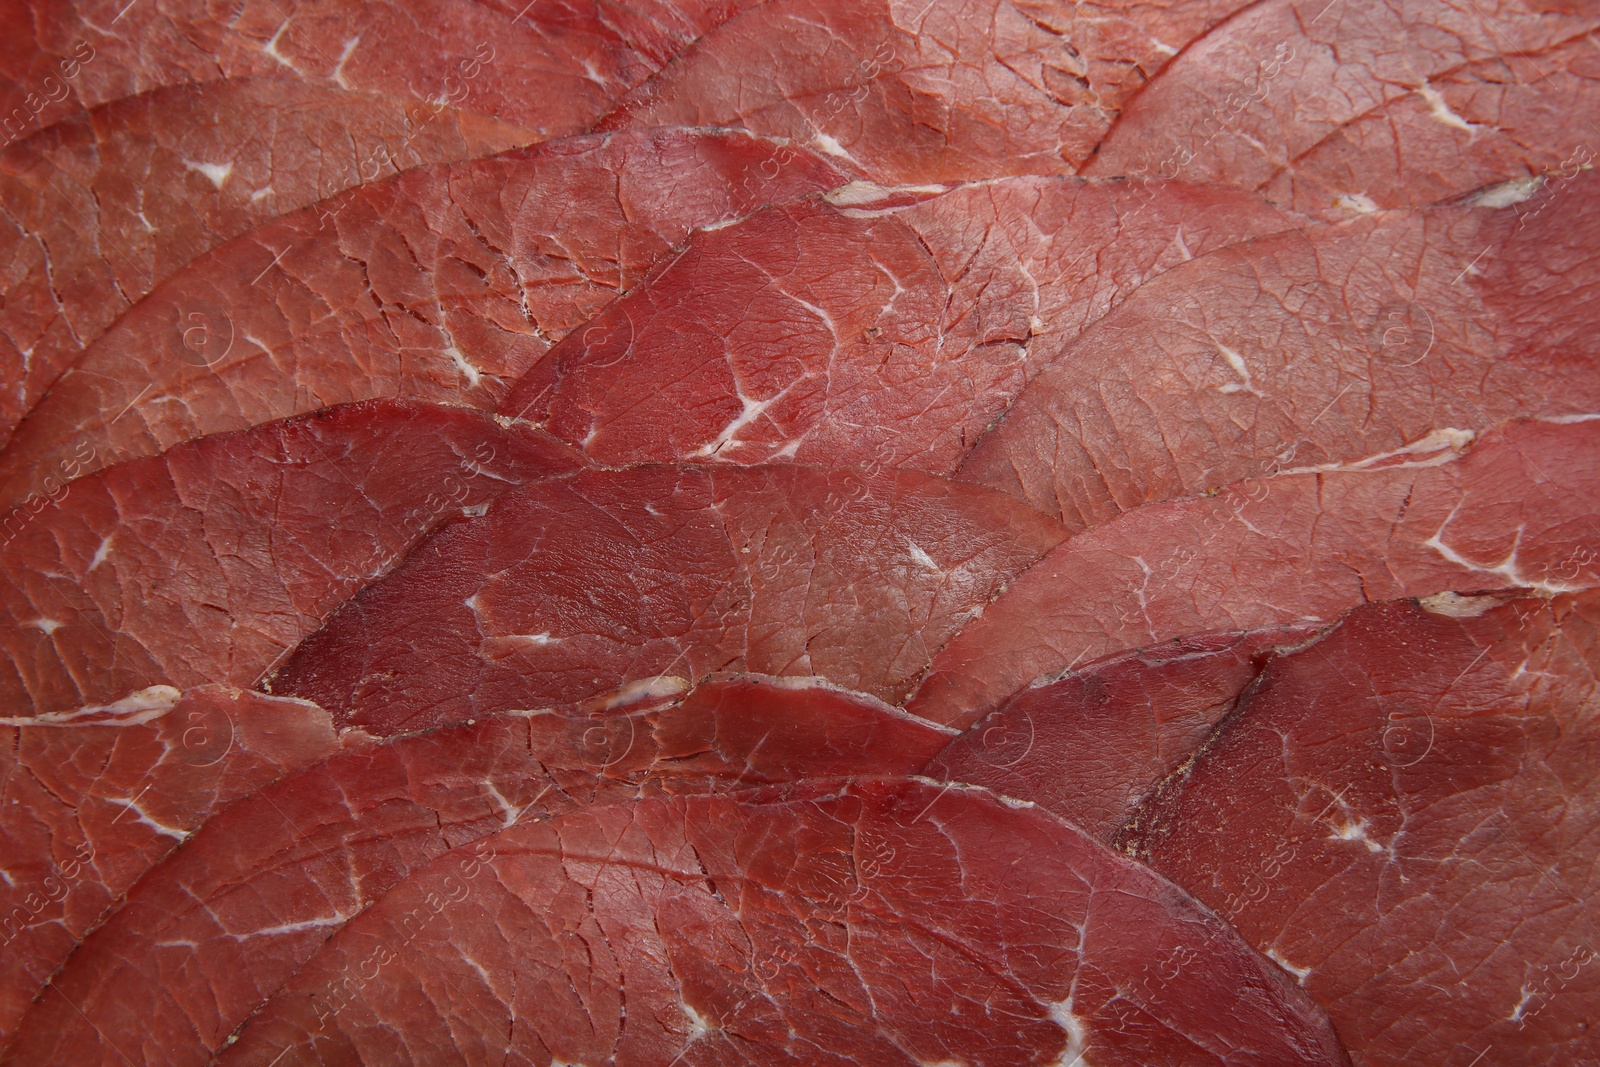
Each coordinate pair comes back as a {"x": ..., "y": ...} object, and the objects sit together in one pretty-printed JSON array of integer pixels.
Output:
[
  {"x": 443, "y": 284},
  {"x": 576, "y": 587},
  {"x": 891, "y": 922},
  {"x": 1404, "y": 330},
  {"x": 207, "y": 563},
  {"x": 1093, "y": 743},
  {"x": 102, "y": 207},
  {"x": 223, "y": 924},
  {"x": 92, "y": 799},
  {"x": 1298, "y": 80},
  {"x": 906, "y": 92},
  {"x": 878, "y": 327},
  {"x": 533, "y": 65},
  {"x": 1405, "y": 814},
  {"x": 1516, "y": 510}
]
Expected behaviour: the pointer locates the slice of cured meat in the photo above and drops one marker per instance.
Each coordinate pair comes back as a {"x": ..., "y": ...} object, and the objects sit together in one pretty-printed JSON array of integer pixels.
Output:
[
  {"x": 880, "y": 327},
  {"x": 92, "y": 799},
  {"x": 925, "y": 91},
  {"x": 1235, "y": 106},
  {"x": 1405, "y": 814},
  {"x": 1516, "y": 510},
  {"x": 891, "y": 922},
  {"x": 1312, "y": 348},
  {"x": 1509, "y": 116},
  {"x": 574, "y": 587},
  {"x": 442, "y": 284},
  {"x": 207, "y": 563},
  {"x": 553, "y": 75},
  {"x": 102, "y": 207},
  {"x": 1093, "y": 743},
  {"x": 259, "y": 890}
]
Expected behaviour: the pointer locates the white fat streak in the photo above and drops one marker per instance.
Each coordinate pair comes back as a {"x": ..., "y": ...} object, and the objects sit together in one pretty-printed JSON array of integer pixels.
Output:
[
  {"x": 271, "y": 49},
  {"x": 832, "y": 147},
  {"x": 661, "y": 686},
  {"x": 1236, "y": 361},
  {"x": 471, "y": 373},
  {"x": 1355, "y": 831},
  {"x": 1359, "y": 202},
  {"x": 753, "y": 410},
  {"x": 1436, "y": 449},
  {"x": 49, "y": 626},
  {"x": 159, "y": 827},
  {"x": 1456, "y": 606},
  {"x": 1506, "y": 570},
  {"x": 1300, "y": 973},
  {"x": 101, "y": 553},
  {"x": 1440, "y": 111},
  {"x": 1075, "y": 1054},
  {"x": 922, "y": 559},
  {"x": 1507, "y": 193},
  {"x": 135, "y": 709},
  {"x": 338, "y": 919},
  {"x": 217, "y": 172},
  {"x": 338, "y": 71},
  {"x": 858, "y": 193},
  {"x": 698, "y": 1027}
]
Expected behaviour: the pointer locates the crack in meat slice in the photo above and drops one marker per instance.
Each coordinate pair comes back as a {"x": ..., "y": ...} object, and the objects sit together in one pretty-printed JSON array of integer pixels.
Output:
[
  {"x": 574, "y": 587},
  {"x": 92, "y": 799},
  {"x": 1405, "y": 814},
  {"x": 545, "y": 70},
  {"x": 209, "y": 562},
  {"x": 1234, "y": 106},
  {"x": 1090, "y": 744},
  {"x": 259, "y": 890},
  {"x": 102, "y": 207},
  {"x": 1309, "y": 349},
  {"x": 442, "y": 284},
  {"x": 878, "y": 327},
  {"x": 908, "y": 91},
  {"x": 1516, "y": 510},
  {"x": 895, "y": 922}
]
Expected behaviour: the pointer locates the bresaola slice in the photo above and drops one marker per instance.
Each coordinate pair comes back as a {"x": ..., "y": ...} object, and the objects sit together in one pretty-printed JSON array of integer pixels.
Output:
[
  {"x": 1093, "y": 743},
  {"x": 576, "y": 587},
  {"x": 894, "y": 922},
  {"x": 224, "y": 923},
  {"x": 873, "y": 327},
  {"x": 102, "y": 207},
  {"x": 1517, "y": 509},
  {"x": 1405, "y": 815},
  {"x": 1234, "y": 107},
  {"x": 442, "y": 284},
  {"x": 551, "y": 75},
  {"x": 907, "y": 92},
  {"x": 209, "y": 562},
  {"x": 93, "y": 798},
  {"x": 1310, "y": 348}
]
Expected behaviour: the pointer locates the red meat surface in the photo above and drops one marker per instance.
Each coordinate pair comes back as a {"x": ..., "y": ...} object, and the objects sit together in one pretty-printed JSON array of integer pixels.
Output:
[
  {"x": 576, "y": 587},
  {"x": 95, "y": 797},
  {"x": 386, "y": 290},
  {"x": 884, "y": 921},
  {"x": 268, "y": 882},
  {"x": 704, "y": 533},
  {"x": 1516, "y": 510},
  {"x": 209, "y": 562},
  {"x": 1403, "y": 814}
]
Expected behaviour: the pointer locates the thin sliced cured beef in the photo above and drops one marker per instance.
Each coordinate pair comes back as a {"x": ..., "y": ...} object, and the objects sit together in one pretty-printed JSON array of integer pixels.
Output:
[
  {"x": 892, "y": 922},
  {"x": 1404, "y": 330},
  {"x": 101, "y": 208},
  {"x": 1091, "y": 744},
  {"x": 903, "y": 91},
  {"x": 1406, "y": 815},
  {"x": 222, "y": 925},
  {"x": 1505, "y": 117},
  {"x": 552, "y": 75},
  {"x": 574, "y": 587},
  {"x": 1292, "y": 79},
  {"x": 1517, "y": 509},
  {"x": 442, "y": 284},
  {"x": 877, "y": 327},
  {"x": 92, "y": 799},
  {"x": 209, "y": 562}
]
